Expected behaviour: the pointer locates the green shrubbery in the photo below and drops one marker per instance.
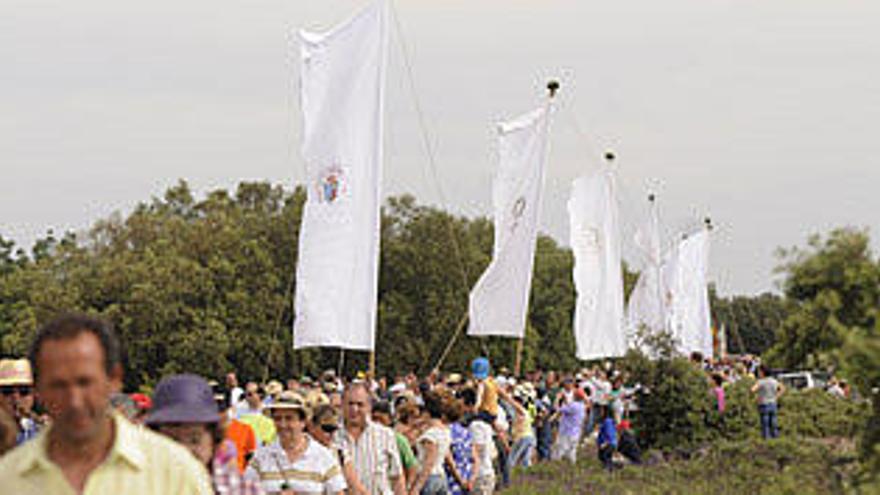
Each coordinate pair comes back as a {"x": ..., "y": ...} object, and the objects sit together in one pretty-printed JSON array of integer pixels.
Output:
[
  {"x": 679, "y": 411},
  {"x": 786, "y": 465}
]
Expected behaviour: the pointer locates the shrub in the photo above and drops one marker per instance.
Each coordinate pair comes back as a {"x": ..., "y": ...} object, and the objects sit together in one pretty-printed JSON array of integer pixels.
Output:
[{"x": 678, "y": 412}]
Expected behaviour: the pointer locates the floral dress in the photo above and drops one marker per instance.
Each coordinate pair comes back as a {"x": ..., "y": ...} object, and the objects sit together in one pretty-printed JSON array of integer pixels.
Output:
[{"x": 462, "y": 454}]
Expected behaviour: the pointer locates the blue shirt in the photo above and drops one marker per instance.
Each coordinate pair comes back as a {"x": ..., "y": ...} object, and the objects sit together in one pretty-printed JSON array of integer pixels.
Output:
[
  {"x": 28, "y": 430},
  {"x": 608, "y": 433},
  {"x": 572, "y": 419}
]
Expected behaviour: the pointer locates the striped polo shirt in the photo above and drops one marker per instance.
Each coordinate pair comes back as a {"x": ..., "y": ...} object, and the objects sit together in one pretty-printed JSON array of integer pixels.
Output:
[
  {"x": 316, "y": 471},
  {"x": 374, "y": 455}
]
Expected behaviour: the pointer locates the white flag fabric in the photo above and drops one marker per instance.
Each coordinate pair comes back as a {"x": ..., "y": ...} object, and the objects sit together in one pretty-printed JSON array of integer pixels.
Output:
[
  {"x": 598, "y": 277},
  {"x": 342, "y": 92},
  {"x": 646, "y": 308},
  {"x": 499, "y": 301},
  {"x": 689, "y": 314}
]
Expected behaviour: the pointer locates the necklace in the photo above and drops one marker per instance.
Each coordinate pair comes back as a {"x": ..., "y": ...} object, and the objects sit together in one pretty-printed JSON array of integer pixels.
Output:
[{"x": 297, "y": 449}]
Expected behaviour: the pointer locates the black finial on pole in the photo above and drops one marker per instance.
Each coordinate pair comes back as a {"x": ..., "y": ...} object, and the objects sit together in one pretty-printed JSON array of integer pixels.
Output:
[
  {"x": 553, "y": 87},
  {"x": 609, "y": 156},
  {"x": 708, "y": 222}
]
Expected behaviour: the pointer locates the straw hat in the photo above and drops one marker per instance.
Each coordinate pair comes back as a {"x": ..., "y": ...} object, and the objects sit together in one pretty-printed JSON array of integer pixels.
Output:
[
  {"x": 15, "y": 372},
  {"x": 290, "y": 400},
  {"x": 274, "y": 387}
]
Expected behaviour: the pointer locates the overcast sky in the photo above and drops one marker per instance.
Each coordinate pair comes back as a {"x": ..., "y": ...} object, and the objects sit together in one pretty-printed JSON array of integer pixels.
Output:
[{"x": 763, "y": 114}]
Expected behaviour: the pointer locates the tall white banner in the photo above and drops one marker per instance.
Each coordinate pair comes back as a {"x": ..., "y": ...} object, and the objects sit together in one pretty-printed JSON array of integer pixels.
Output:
[
  {"x": 646, "y": 309},
  {"x": 499, "y": 301},
  {"x": 342, "y": 99},
  {"x": 598, "y": 276},
  {"x": 689, "y": 313}
]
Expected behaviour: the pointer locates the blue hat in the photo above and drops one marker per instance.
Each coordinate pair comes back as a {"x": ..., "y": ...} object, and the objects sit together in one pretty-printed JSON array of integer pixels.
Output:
[
  {"x": 480, "y": 368},
  {"x": 183, "y": 399}
]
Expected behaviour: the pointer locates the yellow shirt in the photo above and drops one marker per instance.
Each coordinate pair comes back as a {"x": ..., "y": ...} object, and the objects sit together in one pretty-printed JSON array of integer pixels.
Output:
[
  {"x": 140, "y": 462},
  {"x": 264, "y": 428},
  {"x": 489, "y": 401}
]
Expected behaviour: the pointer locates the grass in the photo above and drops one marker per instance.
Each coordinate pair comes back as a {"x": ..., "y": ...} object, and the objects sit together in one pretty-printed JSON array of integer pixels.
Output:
[{"x": 798, "y": 466}]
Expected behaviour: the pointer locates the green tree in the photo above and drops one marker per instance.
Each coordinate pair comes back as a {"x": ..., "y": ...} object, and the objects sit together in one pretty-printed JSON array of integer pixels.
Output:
[
  {"x": 834, "y": 288},
  {"x": 751, "y": 322}
]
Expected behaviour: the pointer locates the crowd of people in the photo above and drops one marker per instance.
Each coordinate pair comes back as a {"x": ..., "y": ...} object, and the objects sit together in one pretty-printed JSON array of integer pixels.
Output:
[{"x": 440, "y": 434}]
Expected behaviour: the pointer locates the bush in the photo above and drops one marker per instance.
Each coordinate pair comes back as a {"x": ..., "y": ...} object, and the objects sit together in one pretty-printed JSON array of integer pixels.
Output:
[
  {"x": 678, "y": 411},
  {"x": 786, "y": 465},
  {"x": 674, "y": 404}
]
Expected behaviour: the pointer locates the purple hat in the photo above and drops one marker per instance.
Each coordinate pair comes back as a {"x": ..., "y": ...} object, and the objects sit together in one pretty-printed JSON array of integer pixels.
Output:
[{"x": 183, "y": 399}]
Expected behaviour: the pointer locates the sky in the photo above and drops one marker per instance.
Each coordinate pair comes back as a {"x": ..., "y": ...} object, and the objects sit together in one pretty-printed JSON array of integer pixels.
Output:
[{"x": 762, "y": 114}]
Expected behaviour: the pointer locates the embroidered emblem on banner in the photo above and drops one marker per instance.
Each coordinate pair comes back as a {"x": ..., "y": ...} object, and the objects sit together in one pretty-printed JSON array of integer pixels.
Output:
[{"x": 332, "y": 184}]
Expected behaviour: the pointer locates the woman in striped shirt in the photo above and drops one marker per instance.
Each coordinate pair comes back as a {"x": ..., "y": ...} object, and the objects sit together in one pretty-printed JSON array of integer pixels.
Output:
[{"x": 296, "y": 463}]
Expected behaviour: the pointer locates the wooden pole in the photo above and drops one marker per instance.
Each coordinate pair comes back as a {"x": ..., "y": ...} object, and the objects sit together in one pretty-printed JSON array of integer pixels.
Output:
[
  {"x": 341, "y": 366},
  {"x": 372, "y": 370},
  {"x": 518, "y": 363},
  {"x": 451, "y": 343}
]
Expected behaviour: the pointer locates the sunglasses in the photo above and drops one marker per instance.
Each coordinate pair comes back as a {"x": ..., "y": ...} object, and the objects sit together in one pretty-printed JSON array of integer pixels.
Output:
[
  {"x": 12, "y": 390},
  {"x": 329, "y": 428}
]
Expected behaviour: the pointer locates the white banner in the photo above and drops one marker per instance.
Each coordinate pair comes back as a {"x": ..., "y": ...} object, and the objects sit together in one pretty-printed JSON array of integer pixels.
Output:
[
  {"x": 499, "y": 301},
  {"x": 342, "y": 99},
  {"x": 598, "y": 277},
  {"x": 689, "y": 314},
  {"x": 646, "y": 309}
]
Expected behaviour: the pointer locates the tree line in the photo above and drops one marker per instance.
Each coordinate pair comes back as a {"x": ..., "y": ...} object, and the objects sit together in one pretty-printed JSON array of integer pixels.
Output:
[{"x": 206, "y": 285}]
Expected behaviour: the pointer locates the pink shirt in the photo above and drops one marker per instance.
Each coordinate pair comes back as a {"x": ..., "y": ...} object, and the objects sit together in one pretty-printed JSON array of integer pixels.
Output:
[{"x": 719, "y": 396}]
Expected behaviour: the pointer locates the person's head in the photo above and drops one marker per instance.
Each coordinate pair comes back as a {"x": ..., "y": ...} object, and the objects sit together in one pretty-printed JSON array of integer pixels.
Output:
[
  {"x": 325, "y": 422},
  {"x": 356, "y": 405},
  {"x": 16, "y": 387},
  {"x": 252, "y": 395},
  {"x": 718, "y": 379},
  {"x": 480, "y": 368},
  {"x": 433, "y": 404},
  {"x": 143, "y": 403},
  {"x": 335, "y": 399},
  {"x": 184, "y": 410},
  {"x": 762, "y": 371},
  {"x": 453, "y": 410},
  {"x": 274, "y": 389},
  {"x": 469, "y": 399},
  {"x": 382, "y": 413},
  {"x": 290, "y": 414},
  {"x": 77, "y": 366},
  {"x": 124, "y": 405},
  {"x": 580, "y": 395},
  {"x": 407, "y": 413},
  {"x": 568, "y": 384},
  {"x": 231, "y": 380}
]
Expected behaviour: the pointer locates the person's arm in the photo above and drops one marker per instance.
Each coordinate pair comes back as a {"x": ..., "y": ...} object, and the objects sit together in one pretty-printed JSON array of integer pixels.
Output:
[
  {"x": 430, "y": 458},
  {"x": 475, "y": 467},
  {"x": 398, "y": 485},
  {"x": 780, "y": 390},
  {"x": 396, "y": 473},
  {"x": 355, "y": 487},
  {"x": 450, "y": 463}
]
